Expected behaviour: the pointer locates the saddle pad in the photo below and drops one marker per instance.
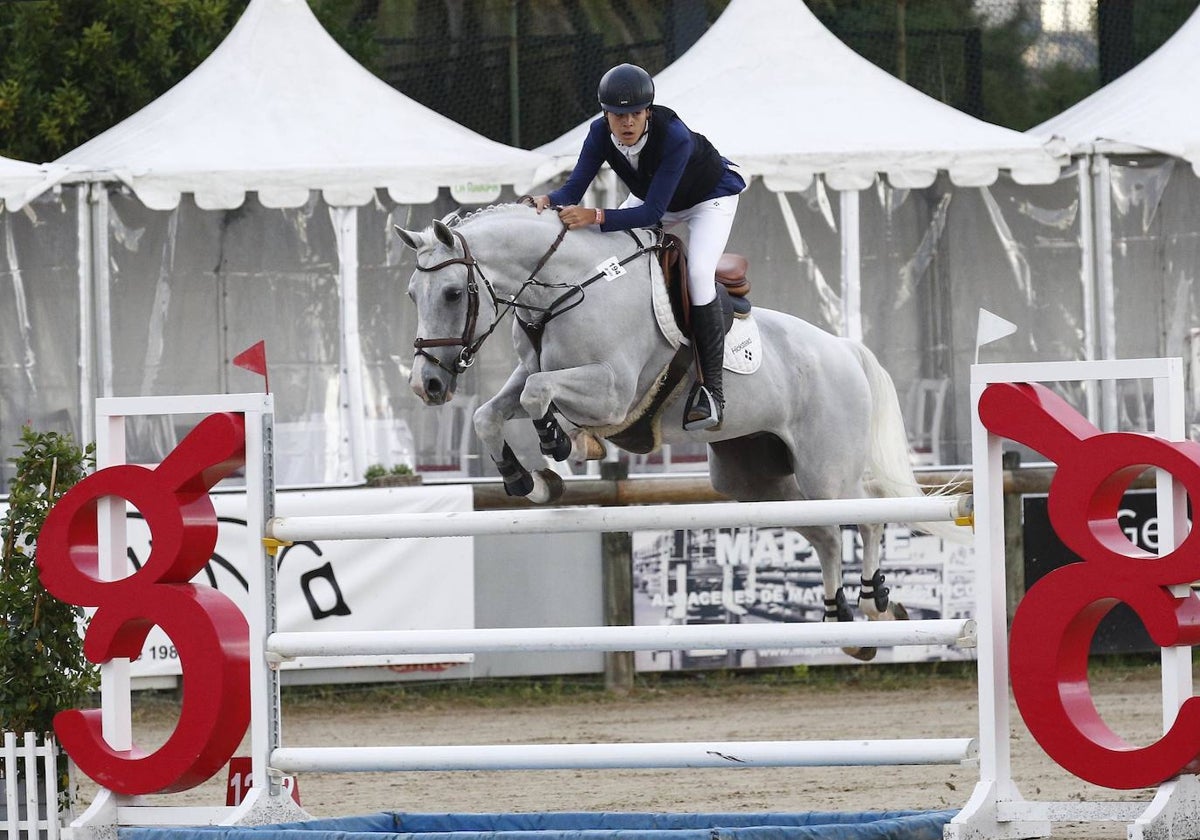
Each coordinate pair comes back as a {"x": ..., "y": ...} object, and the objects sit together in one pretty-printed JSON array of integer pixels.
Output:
[{"x": 743, "y": 344}]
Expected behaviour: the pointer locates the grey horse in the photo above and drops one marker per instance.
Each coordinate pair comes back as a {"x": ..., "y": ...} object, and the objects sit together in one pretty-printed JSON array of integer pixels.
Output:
[{"x": 818, "y": 418}]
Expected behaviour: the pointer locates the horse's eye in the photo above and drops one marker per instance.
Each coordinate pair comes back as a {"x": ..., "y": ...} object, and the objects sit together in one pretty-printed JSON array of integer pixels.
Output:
[{"x": 452, "y": 295}]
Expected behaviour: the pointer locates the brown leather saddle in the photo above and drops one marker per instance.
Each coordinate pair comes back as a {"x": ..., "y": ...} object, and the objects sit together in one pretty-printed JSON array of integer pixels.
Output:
[
  {"x": 643, "y": 435},
  {"x": 733, "y": 285}
]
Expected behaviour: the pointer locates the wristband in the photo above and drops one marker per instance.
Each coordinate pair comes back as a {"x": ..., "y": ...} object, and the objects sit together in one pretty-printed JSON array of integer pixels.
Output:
[{"x": 599, "y": 216}]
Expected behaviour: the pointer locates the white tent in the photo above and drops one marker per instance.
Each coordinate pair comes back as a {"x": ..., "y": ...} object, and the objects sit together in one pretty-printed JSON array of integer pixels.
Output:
[
  {"x": 20, "y": 181},
  {"x": 280, "y": 111},
  {"x": 279, "y": 108},
  {"x": 778, "y": 94},
  {"x": 1145, "y": 109},
  {"x": 1133, "y": 132},
  {"x": 783, "y": 98}
]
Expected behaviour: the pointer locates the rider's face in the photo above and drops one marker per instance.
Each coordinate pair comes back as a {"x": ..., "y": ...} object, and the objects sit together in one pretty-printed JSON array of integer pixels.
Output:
[{"x": 628, "y": 128}]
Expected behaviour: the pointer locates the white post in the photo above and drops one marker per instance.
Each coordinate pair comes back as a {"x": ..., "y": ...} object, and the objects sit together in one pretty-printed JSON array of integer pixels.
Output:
[
  {"x": 851, "y": 265},
  {"x": 345, "y": 225}
]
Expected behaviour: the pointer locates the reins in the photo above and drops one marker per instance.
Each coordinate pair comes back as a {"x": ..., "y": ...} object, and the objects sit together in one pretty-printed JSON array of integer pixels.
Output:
[{"x": 469, "y": 343}]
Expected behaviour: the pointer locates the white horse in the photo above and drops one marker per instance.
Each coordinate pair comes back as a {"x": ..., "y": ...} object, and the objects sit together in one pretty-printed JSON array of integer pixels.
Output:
[{"x": 818, "y": 419}]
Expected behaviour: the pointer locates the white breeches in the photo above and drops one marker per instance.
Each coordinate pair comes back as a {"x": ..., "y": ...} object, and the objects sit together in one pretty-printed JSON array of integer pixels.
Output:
[{"x": 708, "y": 225}]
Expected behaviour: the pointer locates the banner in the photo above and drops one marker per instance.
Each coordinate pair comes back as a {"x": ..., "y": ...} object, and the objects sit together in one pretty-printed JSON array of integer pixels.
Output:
[
  {"x": 747, "y": 575},
  {"x": 339, "y": 584}
]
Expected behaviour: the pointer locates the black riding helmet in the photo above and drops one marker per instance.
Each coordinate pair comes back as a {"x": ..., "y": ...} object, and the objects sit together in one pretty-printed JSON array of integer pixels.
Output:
[{"x": 625, "y": 88}]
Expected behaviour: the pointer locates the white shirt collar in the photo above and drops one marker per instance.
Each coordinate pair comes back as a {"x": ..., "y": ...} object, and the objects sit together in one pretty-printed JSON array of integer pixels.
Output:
[{"x": 632, "y": 152}]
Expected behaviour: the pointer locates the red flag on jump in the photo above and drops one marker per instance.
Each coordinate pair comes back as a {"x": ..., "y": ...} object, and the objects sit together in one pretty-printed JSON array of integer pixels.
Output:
[{"x": 254, "y": 359}]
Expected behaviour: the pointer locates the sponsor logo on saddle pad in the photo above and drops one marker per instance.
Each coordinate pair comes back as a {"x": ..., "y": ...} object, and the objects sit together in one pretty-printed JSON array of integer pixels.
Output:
[{"x": 743, "y": 344}]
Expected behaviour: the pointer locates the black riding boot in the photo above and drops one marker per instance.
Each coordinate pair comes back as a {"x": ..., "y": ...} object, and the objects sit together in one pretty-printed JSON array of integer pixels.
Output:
[{"x": 706, "y": 403}]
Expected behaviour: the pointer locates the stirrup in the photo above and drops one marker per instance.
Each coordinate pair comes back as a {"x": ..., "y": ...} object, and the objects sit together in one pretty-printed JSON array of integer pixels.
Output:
[{"x": 701, "y": 412}]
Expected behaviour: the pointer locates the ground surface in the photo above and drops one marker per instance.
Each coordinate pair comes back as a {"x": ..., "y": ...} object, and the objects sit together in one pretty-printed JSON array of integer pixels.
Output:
[{"x": 869, "y": 704}]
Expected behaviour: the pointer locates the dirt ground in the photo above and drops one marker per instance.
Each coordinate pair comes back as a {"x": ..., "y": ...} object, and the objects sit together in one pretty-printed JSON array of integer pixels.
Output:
[{"x": 704, "y": 709}]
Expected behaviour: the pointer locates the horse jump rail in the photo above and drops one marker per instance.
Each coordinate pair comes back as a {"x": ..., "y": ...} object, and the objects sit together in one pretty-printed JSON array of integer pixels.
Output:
[
  {"x": 956, "y": 632},
  {"x": 728, "y": 754},
  {"x": 568, "y": 520}
]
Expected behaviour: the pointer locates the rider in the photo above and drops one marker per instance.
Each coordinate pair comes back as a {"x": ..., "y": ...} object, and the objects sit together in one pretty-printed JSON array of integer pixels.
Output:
[{"x": 675, "y": 177}]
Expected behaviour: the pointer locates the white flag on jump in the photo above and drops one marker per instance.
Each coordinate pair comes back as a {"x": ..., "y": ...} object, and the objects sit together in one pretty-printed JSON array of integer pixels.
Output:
[{"x": 991, "y": 328}]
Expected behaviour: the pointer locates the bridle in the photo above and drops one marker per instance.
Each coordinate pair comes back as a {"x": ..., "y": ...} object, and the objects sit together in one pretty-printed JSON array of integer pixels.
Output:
[{"x": 468, "y": 341}]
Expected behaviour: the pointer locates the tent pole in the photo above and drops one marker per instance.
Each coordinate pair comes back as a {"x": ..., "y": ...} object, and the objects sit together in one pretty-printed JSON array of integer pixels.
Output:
[
  {"x": 1087, "y": 276},
  {"x": 87, "y": 359},
  {"x": 851, "y": 265},
  {"x": 345, "y": 223},
  {"x": 1105, "y": 286},
  {"x": 102, "y": 289}
]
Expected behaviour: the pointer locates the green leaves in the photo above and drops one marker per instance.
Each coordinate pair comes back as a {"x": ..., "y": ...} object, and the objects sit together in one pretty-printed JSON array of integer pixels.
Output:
[
  {"x": 42, "y": 667},
  {"x": 69, "y": 69}
]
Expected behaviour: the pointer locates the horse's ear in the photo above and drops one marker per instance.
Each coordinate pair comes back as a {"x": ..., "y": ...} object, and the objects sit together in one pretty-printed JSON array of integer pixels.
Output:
[
  {"x": 410, "y": 238},
  {"x": 443, "y": 233}
]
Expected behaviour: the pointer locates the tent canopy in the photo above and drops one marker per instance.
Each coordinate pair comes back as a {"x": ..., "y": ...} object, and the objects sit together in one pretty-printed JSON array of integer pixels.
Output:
[
  {"x": 783, "y": 98},
  {"x": 280, "y": 108},
  {"x": 1148, "y": 107},
  {"x": 21, "y": 182}
]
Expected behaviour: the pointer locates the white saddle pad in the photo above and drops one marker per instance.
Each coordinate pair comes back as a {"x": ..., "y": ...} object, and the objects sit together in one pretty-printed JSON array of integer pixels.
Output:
[{"x": 743, "y": 344}]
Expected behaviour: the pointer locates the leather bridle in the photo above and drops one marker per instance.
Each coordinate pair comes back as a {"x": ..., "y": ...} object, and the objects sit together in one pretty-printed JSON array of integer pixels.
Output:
[{"x": 468, "y": 341}]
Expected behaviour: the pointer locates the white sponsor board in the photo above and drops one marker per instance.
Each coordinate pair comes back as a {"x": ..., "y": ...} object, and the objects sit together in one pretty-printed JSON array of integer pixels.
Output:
[{"x": 338, "y": 585}]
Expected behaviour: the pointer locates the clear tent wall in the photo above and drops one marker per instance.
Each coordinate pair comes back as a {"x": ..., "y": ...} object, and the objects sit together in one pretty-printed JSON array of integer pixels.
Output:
[
  {"x": 42, "y": 364},
  {"x": 171, "y": 296},
  {"x": 187, "y": 289}
]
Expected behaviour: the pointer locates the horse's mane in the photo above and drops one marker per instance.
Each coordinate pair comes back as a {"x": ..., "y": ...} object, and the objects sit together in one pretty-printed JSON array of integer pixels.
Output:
[{"x": 494, "y": 210}]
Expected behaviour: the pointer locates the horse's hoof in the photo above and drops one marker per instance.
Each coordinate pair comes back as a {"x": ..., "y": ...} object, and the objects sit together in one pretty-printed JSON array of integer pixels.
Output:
[
  {"x": 547, "y": 487},
  {"x": 896, "y": 610},
  {"x": 585, "y": 446},
  {"x": 862, "y": 654}
]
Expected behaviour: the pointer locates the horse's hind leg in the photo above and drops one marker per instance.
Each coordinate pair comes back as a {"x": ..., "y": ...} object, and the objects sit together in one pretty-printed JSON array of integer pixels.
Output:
[
  {"x": 826, "y": 541},
  {"x": 873, "y": 598}
]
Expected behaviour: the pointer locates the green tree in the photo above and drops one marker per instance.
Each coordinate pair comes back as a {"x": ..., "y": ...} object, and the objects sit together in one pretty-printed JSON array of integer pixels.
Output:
[{"x": 69, "y": 69}]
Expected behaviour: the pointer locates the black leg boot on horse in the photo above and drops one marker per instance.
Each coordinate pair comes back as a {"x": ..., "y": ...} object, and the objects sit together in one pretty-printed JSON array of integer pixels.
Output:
[{"x": 706, "y": 403}]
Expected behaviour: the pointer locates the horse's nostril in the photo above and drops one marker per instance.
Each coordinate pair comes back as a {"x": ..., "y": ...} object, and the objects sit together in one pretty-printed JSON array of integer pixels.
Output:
[{"x": 433, "y": 386}]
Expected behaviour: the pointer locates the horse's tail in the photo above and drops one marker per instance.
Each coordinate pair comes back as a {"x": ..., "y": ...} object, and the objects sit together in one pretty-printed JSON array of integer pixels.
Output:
[{"x": 889, "y": 463}]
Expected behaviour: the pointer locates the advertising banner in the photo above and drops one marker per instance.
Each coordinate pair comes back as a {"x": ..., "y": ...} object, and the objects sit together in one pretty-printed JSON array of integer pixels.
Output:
[
  {"x": 742, "y": 575},
  {"x": 339, "y": 584}
]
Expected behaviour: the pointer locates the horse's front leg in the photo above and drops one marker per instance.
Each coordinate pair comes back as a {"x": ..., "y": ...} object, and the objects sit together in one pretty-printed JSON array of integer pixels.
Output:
[
  {"x": 588, "y": 394},
  {"x": 489, "y": 426},
  {"x": 540, "y": 486}
]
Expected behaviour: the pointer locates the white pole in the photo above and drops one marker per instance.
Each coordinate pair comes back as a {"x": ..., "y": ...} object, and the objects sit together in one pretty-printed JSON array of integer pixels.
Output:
[
  {"x": 1087, "y": 277},
  {"x": 569, "y": 520},
  {"x": 1105, "y": 287},
  {"x": 735, "y": 754},
  {"x": 960, "y": 632},
  {"x": 851, "y": 265},
  {"x": 345, "y": 225}
]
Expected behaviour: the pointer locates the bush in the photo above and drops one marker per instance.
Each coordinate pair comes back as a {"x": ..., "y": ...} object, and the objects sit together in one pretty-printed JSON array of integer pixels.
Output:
[{"x": 42, "y": 666}]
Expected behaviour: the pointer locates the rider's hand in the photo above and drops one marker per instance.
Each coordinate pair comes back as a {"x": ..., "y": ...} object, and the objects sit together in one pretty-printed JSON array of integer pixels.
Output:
[
  {"x": 539, "y": 202},
  {"x": 575, "y": 217}
]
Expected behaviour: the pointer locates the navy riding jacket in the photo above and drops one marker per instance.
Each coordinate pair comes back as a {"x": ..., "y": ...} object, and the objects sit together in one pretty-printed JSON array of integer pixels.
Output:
[{"x": 677, "y": 169}]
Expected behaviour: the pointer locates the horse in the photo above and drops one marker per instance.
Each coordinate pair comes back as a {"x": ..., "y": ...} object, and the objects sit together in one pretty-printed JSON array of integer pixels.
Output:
[{"x": 817, "y": 418}]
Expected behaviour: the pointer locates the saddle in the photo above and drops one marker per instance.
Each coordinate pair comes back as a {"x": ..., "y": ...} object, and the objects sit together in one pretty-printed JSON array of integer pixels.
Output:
[
  {"x": 732, "y": 283},
  {"x": 641, "y": 434}
]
